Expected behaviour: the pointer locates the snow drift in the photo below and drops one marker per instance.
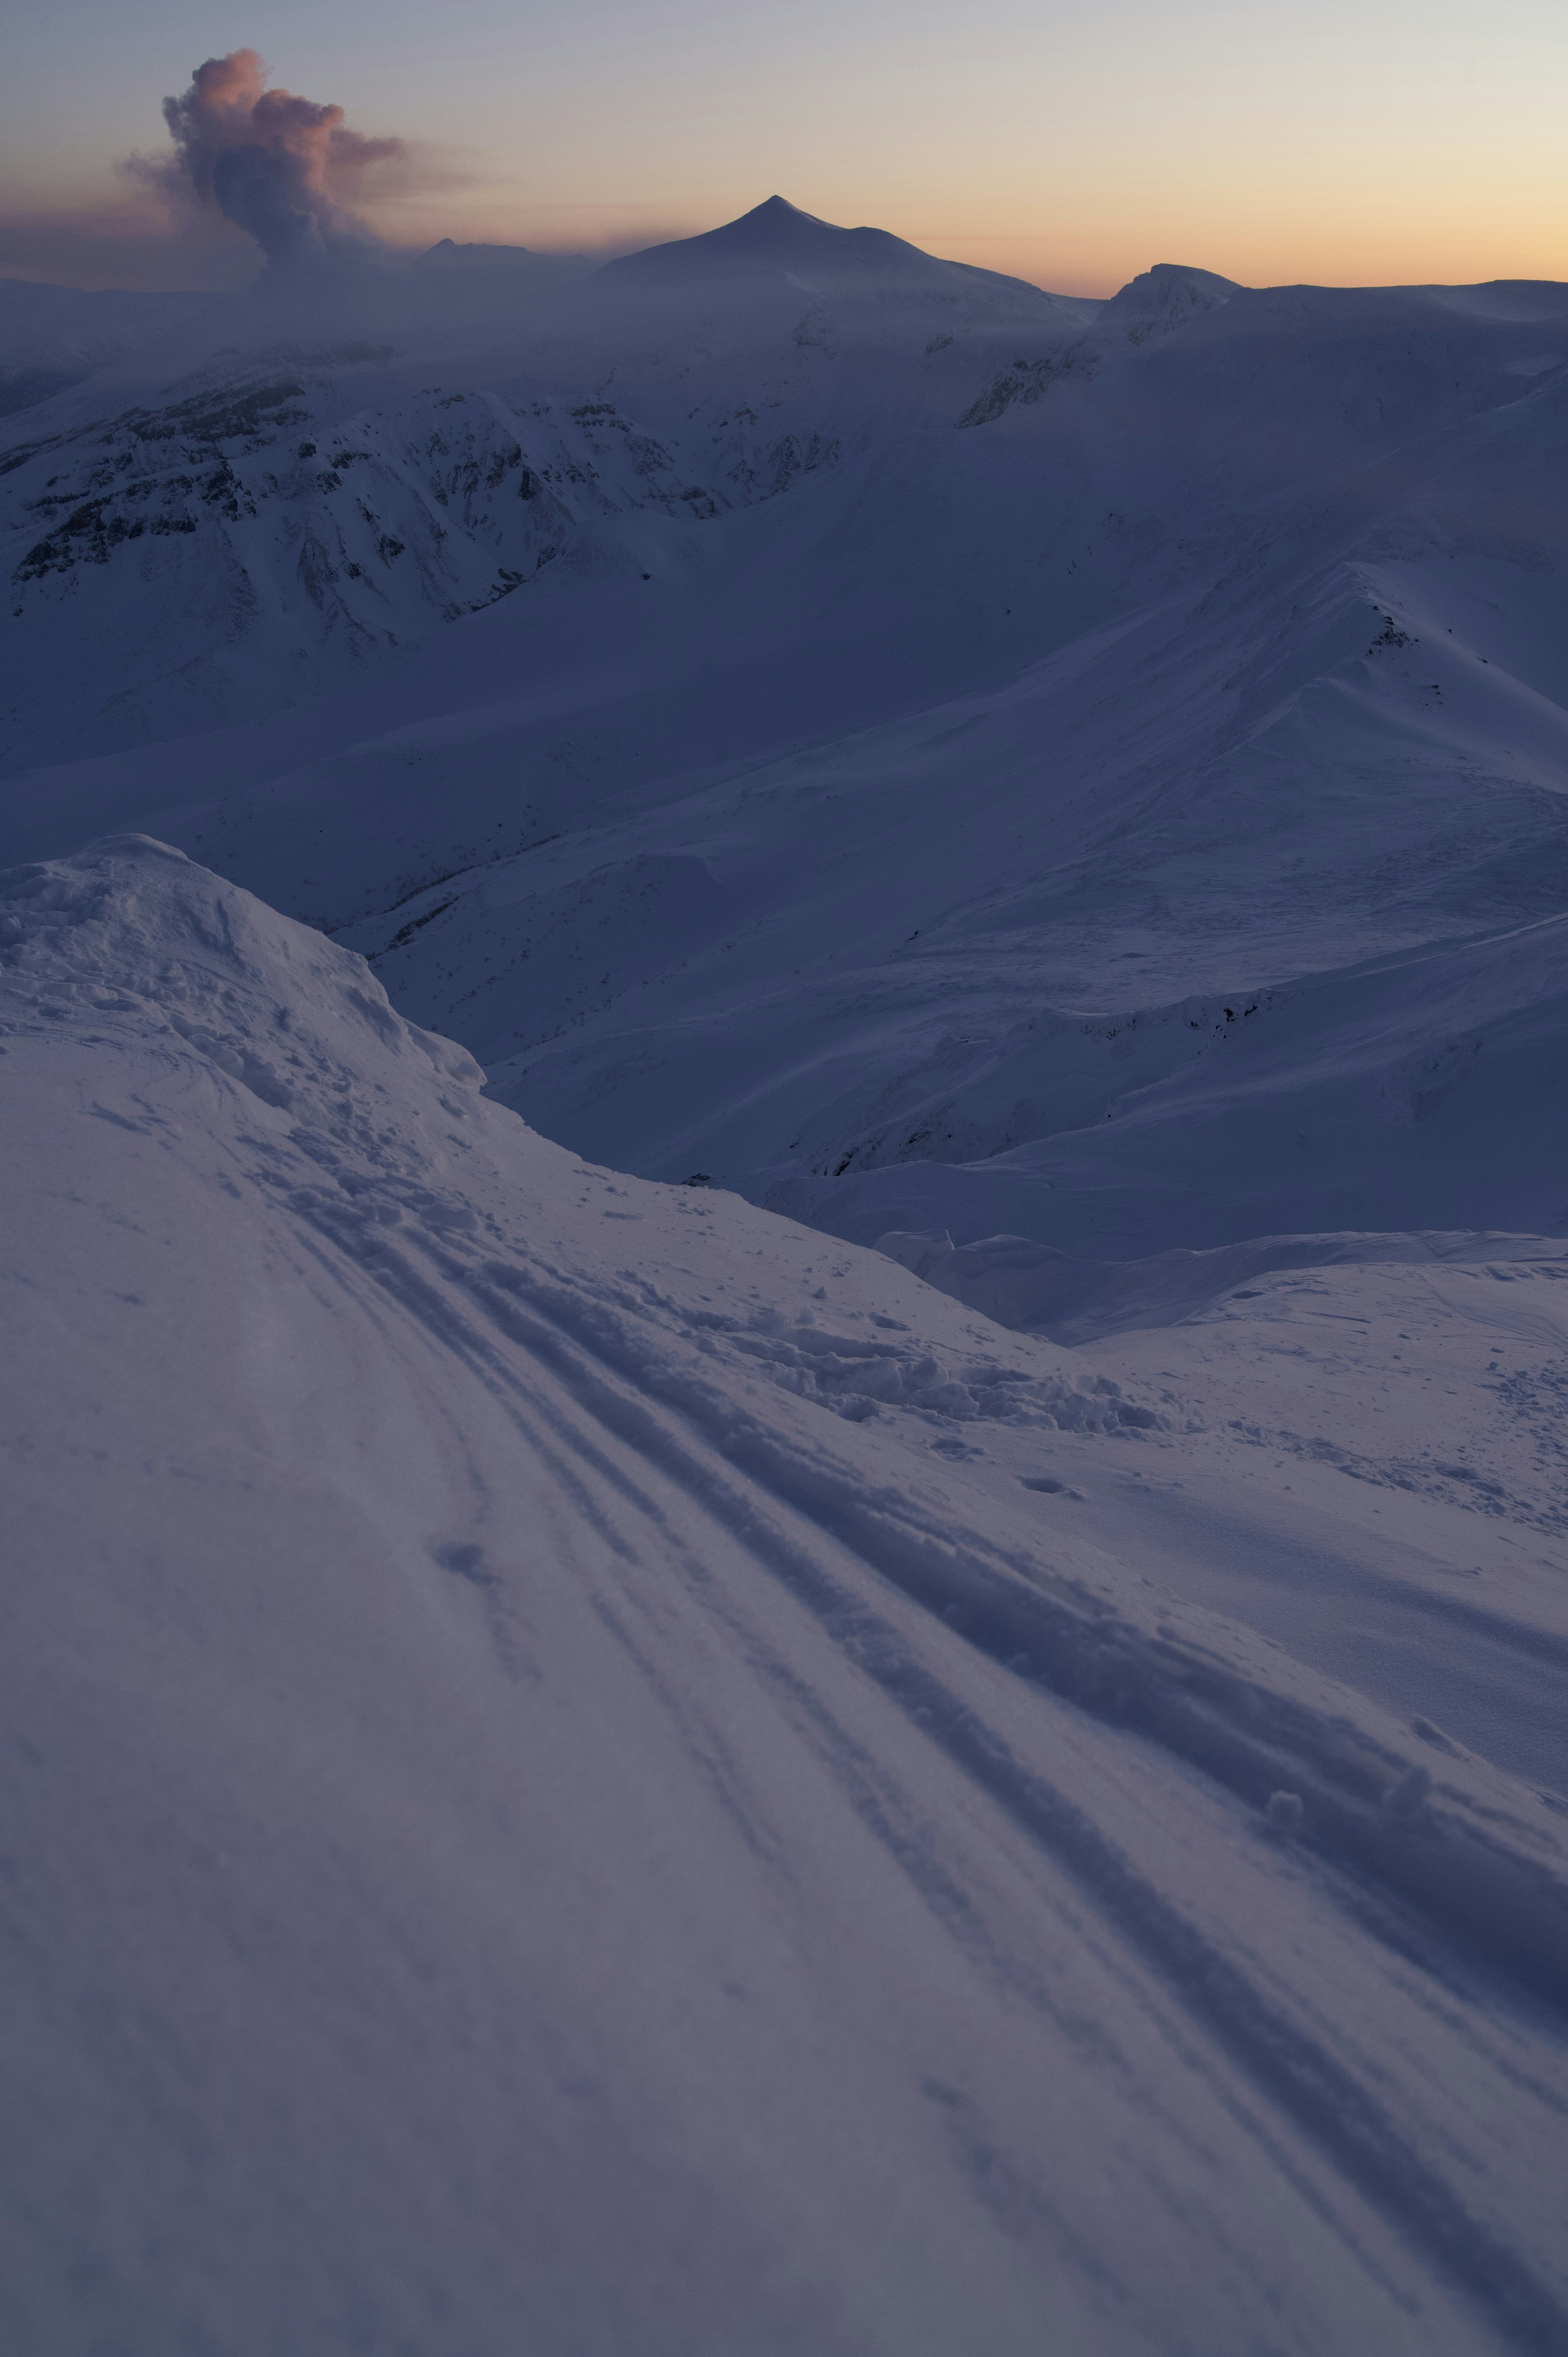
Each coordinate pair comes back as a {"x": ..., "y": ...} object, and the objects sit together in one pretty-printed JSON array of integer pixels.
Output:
[{"x": 548, "y": 1722}]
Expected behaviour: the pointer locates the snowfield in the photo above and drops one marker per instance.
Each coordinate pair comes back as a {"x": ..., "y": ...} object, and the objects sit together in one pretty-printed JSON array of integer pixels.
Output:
[
  {"x": 871, "y": 1657},
  {"x": 555, "y": 1716}
]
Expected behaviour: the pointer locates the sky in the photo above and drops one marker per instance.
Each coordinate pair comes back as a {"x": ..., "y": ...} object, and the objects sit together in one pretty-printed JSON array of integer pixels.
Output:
[{"x": 1069, "y": 141}]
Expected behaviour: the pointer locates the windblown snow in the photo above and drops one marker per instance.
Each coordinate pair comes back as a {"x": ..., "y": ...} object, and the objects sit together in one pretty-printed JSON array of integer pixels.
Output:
[{"x": 870, "y": 1659}]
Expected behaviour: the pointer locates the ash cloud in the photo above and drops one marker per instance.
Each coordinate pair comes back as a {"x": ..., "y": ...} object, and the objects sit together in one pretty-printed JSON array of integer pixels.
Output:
[
  {"x": 281, "y": 167},
  {"x": 259, "y": 174}
]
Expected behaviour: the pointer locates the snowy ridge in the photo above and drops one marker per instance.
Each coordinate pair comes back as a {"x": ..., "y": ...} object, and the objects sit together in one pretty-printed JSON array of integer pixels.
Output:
[
  {"x": 1134, "y": 822},
  {"x": 468, "y": 1431},
  {"x": 313, "y": 537},
  {"x": 235, "y": 528}
]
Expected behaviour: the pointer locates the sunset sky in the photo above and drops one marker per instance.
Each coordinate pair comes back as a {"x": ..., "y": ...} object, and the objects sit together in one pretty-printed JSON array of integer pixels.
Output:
[{"x": 1068, "y": 144}]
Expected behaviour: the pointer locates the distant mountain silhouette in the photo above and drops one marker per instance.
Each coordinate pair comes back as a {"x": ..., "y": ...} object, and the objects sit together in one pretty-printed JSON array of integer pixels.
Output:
[
  {"x": 778, "y": 236},
  {"x": 448, "y": 255}
]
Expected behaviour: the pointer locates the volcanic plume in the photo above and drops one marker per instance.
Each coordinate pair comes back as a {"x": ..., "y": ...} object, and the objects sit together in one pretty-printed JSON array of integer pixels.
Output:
[{"x": 280, "y": 167}]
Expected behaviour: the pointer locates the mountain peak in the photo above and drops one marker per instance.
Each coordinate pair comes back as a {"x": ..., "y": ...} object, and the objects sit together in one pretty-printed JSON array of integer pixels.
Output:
[
  {"x": 774, "y": 232},
  {"x": 778, "y": 237},
  {"x": 1163, "y": 298},
  {"x": 779, "y": 209}
]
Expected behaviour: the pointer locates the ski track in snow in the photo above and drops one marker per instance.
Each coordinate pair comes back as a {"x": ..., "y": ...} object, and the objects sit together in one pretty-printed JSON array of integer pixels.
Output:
[
  {"x": 1121, "y": 1750},
  {"x": 593, "y": 1766}
]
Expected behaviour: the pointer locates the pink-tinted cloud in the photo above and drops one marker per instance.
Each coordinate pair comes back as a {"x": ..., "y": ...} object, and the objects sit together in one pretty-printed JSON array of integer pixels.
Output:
[
  {"x": 282, "y": 167},
  {"x": 257, "y": 167}
]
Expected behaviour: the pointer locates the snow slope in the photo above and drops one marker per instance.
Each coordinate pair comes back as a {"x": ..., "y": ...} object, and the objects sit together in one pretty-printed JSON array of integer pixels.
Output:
[
  {"x": 192, "y": 537},
  {"x": 936, "y": 759},
  {"x": 591, "y": 1769}
]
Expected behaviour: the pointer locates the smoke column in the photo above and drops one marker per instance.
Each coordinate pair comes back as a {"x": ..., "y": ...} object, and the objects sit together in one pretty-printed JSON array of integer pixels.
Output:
[{"x": 276, "y": 165}]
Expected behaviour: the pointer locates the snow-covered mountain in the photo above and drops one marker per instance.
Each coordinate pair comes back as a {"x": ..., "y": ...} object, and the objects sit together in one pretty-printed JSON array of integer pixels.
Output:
[
  {"x": 291, "y": 511},
  {"x": 1092, "y": 777},
  {"x": 600, "y": 1764},
  {"x": 815, "y": 255}
]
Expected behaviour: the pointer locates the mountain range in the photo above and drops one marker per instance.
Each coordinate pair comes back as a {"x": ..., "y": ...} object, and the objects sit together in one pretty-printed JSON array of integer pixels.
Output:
[{"x": 785, "y": 1036}]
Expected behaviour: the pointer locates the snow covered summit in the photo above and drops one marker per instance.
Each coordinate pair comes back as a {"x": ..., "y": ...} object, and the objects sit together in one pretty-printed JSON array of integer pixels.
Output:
[{"x": 778, "y": 236}]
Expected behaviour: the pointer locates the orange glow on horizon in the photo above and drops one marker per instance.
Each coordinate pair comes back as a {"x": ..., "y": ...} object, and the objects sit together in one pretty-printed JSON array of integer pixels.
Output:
[{"x": 1073, "y": 148}]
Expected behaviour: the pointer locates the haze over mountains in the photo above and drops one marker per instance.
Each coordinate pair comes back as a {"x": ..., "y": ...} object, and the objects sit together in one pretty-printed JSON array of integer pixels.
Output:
[
  {"x": 895, "y": 1682},
  {"x": 948, "y": 700}
]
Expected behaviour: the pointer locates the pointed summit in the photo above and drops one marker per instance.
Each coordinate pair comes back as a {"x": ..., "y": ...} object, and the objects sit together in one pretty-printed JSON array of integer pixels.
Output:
[
  {"x": 777, "y": 229},
  {"x": 773, "y": 234},
  {"x": 776, "y": 238}
]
